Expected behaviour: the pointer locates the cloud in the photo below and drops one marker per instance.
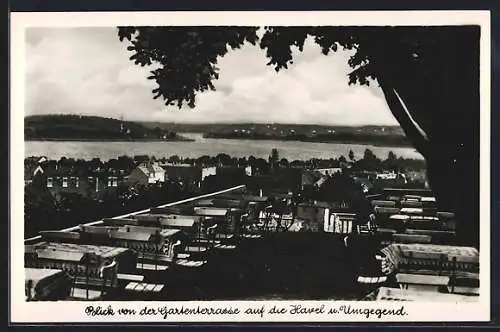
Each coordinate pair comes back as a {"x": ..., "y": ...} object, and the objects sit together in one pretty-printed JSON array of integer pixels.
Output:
[{"x": 87, "y": 71}]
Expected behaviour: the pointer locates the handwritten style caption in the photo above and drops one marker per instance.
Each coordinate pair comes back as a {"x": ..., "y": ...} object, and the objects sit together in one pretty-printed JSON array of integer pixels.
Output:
[{"x": 170, "y": 312}]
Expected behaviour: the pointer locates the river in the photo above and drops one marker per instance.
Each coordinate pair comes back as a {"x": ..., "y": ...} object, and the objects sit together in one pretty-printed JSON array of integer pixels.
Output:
[{"x": 207, "y": 146}]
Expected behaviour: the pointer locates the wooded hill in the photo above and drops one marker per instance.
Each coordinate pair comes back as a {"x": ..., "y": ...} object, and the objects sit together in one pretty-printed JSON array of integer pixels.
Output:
[{"x": 76, "y": 127}]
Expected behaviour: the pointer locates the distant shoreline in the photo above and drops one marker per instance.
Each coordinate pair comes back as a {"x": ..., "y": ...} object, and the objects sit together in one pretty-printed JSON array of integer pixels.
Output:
[
  {"x": 188, "y": 140},
  {"x": 387, "y": 145},
  {"x": 400, "y": 144}
]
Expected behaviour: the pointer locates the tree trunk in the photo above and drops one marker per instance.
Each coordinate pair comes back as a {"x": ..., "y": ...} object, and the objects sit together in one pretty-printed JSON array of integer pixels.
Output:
[
  {"x": 452, "y": 167},
  {"x": 440, "y": 91},
  {"x": 452, "y": 157}
]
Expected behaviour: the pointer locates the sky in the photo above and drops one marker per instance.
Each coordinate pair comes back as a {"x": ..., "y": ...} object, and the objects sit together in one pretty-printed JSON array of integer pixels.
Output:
[{"x": 87, "y": 71}]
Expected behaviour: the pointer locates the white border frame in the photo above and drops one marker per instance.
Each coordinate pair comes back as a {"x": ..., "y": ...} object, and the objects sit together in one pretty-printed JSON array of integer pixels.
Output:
[{"x": 74, "y": 312}]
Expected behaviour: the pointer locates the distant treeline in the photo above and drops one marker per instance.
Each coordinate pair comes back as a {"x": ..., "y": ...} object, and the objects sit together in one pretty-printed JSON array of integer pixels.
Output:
[
  {"x": 384, "y": 140},
  {"x": 368, "y": 160},
  {"x": 75, "y": 127}
]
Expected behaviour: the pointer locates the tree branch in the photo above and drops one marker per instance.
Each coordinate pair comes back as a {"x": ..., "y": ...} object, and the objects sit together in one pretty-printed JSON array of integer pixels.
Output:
[{"x": 397, "y": 109}]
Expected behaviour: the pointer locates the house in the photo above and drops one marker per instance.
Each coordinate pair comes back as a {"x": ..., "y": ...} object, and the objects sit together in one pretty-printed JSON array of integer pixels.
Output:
[
  {"x": 183, "y": 173},
  {"x": 248, "y": 170},
  {"x": 147, "y": 173},
  {"x": 70, "y": 178},
  {"x": 35, "y": 160},
  {"x": 100, "y": 182},
  {"x": 79, "y": 180},
  {"x": 32, "y": 173},
  {"x": 208, "y": 171},
  {"x": 33, "y": 169},
  {"x": 58, "y": 180}
]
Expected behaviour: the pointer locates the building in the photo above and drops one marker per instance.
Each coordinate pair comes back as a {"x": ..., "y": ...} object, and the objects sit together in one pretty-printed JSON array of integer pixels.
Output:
[
  {"x": 147, "y": 173},
  {"x": 71, "y": 178},
  {"x": 77, "y": 179},
  {"x": 87, "y": 184},
  {"x": 248, "y": 170},
  {"x": 183, "y": 173},
  {"x": 100, "y": 182},
  {"x": 32, "y": 173},
  {"x": 208, "y": 171},
  {"x": 34, "y": 169},
  {"x": 395, "y": 193}
]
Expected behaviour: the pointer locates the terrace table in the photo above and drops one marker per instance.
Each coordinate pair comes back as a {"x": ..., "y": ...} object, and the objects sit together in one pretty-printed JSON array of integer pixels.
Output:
[
  {"x": 190, "y": 263},
  {"x": 437, "y": 236},
  {"x": 151, "y": 267},
  {"x": 83, "y": 294},
  {"x": 397, "y": 294},
  {"x": 376, "y": 203},
  {"x": 144, "y": 288},
  {"x": 195, "y": 249},
  {"x": 130, "y": 277},
  {"x": 422, "y": 281},
  {"x": 456, "y": 261},
  {"x": 411, "y": 238},
  {"x": 251, "y": 236},
  {"x": 371, "y": 280},
  {"x": 42, "y": 284}
]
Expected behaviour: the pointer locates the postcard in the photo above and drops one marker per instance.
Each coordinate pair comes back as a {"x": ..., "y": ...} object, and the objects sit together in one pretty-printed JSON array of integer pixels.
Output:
[{"x": 250, "y": 167}]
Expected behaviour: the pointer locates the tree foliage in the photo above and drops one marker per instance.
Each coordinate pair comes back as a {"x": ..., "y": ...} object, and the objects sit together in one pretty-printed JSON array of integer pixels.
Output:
[{"x": 187, "y": 57}]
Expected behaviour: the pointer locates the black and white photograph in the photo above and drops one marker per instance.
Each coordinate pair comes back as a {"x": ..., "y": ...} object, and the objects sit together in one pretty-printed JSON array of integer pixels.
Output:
[{"x": 219, "y": 160}]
